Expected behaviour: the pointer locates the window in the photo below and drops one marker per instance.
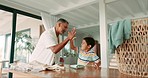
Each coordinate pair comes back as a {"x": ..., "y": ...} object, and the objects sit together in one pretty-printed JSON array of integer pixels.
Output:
[
  {"x": 67, "y": 51},
  {"x": 27, "y": 30},
  {"x": 7, "y": 40},
  {"x": 5, "y": 28},
  {"x": 26, "y": 26}
]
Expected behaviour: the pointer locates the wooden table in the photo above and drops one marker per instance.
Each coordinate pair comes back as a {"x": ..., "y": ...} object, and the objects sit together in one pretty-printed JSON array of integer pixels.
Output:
[{"x": 87, "y": 72}]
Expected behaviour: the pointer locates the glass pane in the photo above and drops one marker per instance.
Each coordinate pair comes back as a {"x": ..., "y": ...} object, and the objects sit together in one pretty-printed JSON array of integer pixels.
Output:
[
  {"x": 27, "y": 34},
  {"x": 5, "y": 30},
  {"x": 70, "y": 56},
  {"x": 67, "y": 50}
]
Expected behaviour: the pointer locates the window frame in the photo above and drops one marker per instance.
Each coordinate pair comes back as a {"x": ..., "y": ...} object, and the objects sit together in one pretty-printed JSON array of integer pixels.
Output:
[{"x": 14, "y": 20}]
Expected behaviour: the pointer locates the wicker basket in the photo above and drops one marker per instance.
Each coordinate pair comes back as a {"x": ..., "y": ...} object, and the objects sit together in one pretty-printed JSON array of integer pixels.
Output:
[{"x": 132, "y": 55}]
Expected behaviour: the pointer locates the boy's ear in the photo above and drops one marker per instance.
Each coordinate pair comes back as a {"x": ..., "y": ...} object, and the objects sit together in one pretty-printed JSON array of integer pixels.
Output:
[{"x": 89, "y": 46}]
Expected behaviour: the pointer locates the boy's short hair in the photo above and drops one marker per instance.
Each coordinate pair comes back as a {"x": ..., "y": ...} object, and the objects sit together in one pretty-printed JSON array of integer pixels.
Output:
[
  {"x": 90, "y": 41},
  {"x": 63, "y": 20}
]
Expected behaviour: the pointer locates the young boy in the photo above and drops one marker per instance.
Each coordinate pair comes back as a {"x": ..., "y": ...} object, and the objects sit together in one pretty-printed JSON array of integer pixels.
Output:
[{"x": 86, "y": 55}]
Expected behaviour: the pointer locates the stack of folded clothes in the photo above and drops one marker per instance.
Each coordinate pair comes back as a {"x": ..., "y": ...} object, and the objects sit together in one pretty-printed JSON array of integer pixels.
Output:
[{"x": 34, "y": 66}]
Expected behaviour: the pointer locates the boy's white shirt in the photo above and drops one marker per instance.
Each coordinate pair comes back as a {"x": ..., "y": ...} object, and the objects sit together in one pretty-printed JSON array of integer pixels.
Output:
[{"x": 97, "y": 61}]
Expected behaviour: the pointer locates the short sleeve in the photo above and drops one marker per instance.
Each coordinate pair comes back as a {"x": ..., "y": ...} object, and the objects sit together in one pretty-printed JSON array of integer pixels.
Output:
[
  {"x": 48, "y": 39},
  {"x": 93, "y": 57}
]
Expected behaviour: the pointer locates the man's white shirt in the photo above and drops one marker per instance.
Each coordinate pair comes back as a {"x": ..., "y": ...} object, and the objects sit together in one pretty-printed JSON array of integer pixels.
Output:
[{"x": 42, "y": 53}]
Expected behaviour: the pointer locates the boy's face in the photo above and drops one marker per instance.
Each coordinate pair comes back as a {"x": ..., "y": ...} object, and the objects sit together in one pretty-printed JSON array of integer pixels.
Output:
[{"x": 84, "y": 45}]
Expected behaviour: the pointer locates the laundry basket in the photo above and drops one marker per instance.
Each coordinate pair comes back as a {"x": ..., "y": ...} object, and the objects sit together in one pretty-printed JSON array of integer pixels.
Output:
[{"x": 132, "y": 55}]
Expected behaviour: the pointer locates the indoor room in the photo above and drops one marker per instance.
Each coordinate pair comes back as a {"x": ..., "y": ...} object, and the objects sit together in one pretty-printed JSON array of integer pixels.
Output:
[{"x": 46, "y": 38}]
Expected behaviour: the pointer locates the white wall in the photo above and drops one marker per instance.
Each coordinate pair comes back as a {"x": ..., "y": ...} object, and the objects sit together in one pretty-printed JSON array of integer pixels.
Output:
[{"x": 33, "y": 24}]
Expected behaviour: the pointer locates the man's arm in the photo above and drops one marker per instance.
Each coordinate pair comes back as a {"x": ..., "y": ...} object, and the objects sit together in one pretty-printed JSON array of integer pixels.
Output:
[{"x": 59, "y": 46}]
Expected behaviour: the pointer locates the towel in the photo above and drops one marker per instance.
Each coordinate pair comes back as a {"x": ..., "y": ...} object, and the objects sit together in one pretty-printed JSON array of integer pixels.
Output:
[{"x": 118, "y": 33}]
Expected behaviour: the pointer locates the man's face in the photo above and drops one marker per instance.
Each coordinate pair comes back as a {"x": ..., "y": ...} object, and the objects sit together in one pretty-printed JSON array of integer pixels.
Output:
[{"x": 63, "y": 28}]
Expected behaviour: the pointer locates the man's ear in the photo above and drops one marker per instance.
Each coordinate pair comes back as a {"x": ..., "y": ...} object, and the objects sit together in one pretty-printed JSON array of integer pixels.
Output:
[{"x": 59, "y": 24}]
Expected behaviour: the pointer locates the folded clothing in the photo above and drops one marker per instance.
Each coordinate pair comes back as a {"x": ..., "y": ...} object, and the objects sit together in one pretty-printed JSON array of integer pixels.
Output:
[
  {"x": 33, "y": 66},
  {"x": 55, "y": 67}
]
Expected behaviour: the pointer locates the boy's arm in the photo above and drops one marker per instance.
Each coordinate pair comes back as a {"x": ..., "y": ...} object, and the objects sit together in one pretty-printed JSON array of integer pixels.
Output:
[
  {"x": 97, "y": 63},
  {"x": 72, "y": 45}
]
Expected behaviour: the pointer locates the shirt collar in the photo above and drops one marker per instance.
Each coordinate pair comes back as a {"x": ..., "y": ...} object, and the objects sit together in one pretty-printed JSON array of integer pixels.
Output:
[{"x": 90, "y": 51}]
